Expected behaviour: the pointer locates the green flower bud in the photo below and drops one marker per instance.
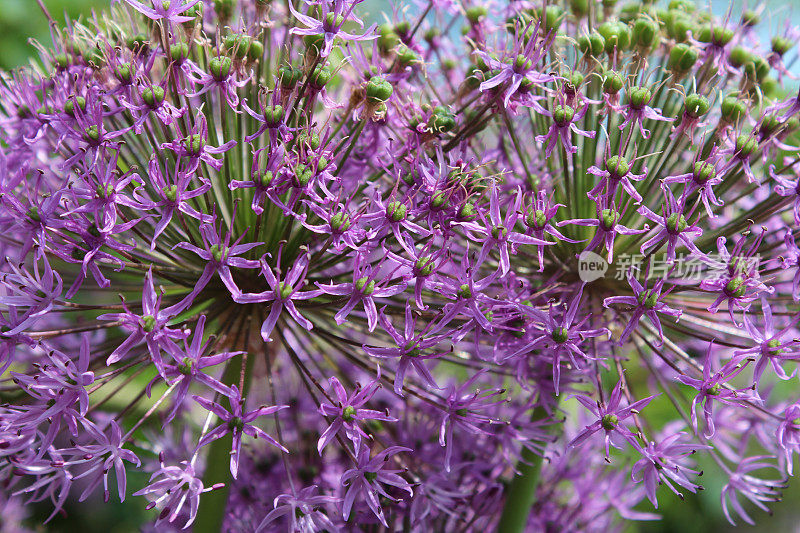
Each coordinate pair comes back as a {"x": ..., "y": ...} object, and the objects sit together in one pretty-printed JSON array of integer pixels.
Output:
[
  {"x": 648, "y": 298},
  {"x": 92, "y": 134},
  {"x": 563, "y": 115},
  {"x": 220, "y": 67},
  {"x": 396, "y": 211},
  {"x": 476, "y": 13},
  {"x": 536, "y": 219},
  {"x": 718, "y": 35},
  {"x": 609, "y": 219},
  {"x": 333, "y": 21},
  {"x": 289, "y": 76},
  {"x": 442, "y": 120},
  {"x": 194, "y": 144},
  {"x": 738, "y": 56},
  {"x": 273, "y": 115},
  {"x": 138, "y": 43},
  {"x": 687, "y": 6},
  {"x": 682, "y": 58},
  {"x": 104, "y": 192},
  {"x": 575, "y": 79},
  {"x": 387, "y": 38},
  {"x": 736, "y": 287},
  {"x": 613, "y": 82},
  {"x": 696, "y": 105},
  {"x": 732, "y": 109},
  {"x": 61, "y": 61},
  {"x": 365, "y": 286},
  {"x": 769, "y": 125},
  {"x": 560, "y": 335},
  {"x": 676, "y": 223},
  {"x": 579, "y": 8},
  {"x": 314, "y": 43},
  {"x": 186, "y": 366},
  {"x": 630, "y": 12},
  {"x": 402, "y": 28},
  {"x": 123, "y": 73},
  {"x": 617, "y": 166},
  {"x": 170, "y": 193},
  {"x": 432, "y": 33},
  {"x": 464, "y": 292},
  {"x": 340, "y": 222},
  {"x": 781, "y": 45},
  {"x": 593, "y": 44},
  {"x": 256, "y": 50},
  {"x": 239, "y": 45},
  {"x": 148, "y": 323},
  {"x": 499, "y": 233},
  {"x": 467, "y": 211},
  {"x": 378, "y": 90},
  {"x": 639, "y": 97},
  {"x": 33, "y": 214},
  {"x": 645, "y": 33},
  {"x": 616, "y": 34},
  {"x": 320, "y": 77},
  {"x": 759, "y": 66},
  {"x": 703, "y": 171},
  {"x": 302, "y": 175},
  {"x": 196, "y": 12},
  {"x": 69, "y": 105},
  {"x": 609, "y": 421},
  {"x": 439, "y": 200},
  {"x": 348, "y": 413},
  {"x": 551, "y": 18},
  {"x": 178, "y": 52},
  {"x": 750, "y": 18},
  {"x": 679, "y": 24},
  {"x": 424, "y": 266},
  {"x": 265, "y": 178},
  {"x": 312, "y": 141},
  {"x": 153, "y": 96},
  {"x": 406, "y": 56},
  {"x": 746, "y": 145}
]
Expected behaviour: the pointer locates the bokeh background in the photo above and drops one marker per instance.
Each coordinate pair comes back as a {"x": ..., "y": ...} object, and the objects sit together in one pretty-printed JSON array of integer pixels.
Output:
[{"x": 21, "y": 21}]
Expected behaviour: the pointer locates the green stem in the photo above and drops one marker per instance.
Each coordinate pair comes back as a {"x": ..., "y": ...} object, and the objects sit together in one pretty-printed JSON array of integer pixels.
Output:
[
  {"x": 211, "y": 513},
  {"x": 521, "y": 492}
]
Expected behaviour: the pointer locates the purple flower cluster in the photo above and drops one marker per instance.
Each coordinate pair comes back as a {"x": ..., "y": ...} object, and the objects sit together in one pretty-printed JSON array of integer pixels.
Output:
[{"x": 312, "y": 276}]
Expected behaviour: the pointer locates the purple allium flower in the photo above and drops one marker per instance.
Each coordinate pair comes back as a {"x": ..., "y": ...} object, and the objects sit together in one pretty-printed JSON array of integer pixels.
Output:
[
  {"x": 665, "y": 463},
  {"x": 671, "y": 227},
  {"x": 352, "y": 243},
  {"x": 366, "y": 480},
  {"x": 519, "y": 72},
  {"x": 772, "y": 346},
  {"x": 172, "y": 488},
  {"x": 302, "y": 509},
  {"x": 608, "y": 228},
  {"x": 329, "y": 27},
  {"x": 349, "y": 412},
  {"x": 171, "y": 11},
  {"x": 237, "y": 422},
  {"x": 643, "y": 302},
  {"x": 611, "y": 418},
  {"x": 714, "y": 388}
]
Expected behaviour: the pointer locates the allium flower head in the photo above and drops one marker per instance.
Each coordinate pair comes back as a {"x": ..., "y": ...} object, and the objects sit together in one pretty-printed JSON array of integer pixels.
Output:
[{"x": 309, "y": 273}]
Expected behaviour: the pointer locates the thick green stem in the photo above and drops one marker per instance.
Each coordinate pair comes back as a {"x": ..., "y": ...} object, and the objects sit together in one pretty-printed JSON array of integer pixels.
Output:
[
  {"x": 211, "y": 512},
  {"x": 521, "y": 492}
]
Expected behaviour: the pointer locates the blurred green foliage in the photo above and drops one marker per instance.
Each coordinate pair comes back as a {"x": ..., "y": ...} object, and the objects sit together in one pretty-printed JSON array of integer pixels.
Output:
[{"x": 22, "y": 20}]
